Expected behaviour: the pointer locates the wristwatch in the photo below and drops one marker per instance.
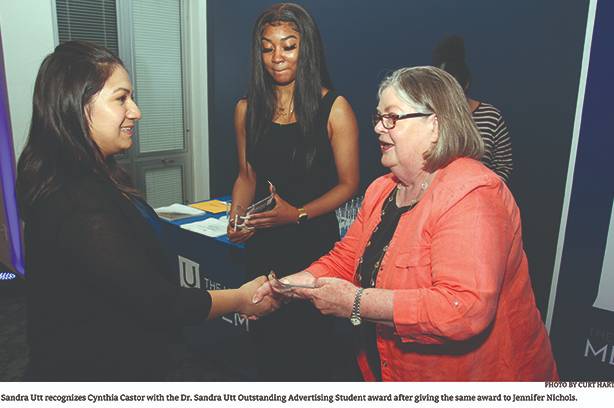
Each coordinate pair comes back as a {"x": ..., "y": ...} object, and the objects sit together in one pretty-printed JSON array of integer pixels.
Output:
[
  {"x": 302, "y": 216},
  {"x": 355, "y": 318}
]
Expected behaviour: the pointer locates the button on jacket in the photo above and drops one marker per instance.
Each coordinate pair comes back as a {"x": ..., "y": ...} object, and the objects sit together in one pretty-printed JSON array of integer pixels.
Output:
[{"x": 463, "y": 307}]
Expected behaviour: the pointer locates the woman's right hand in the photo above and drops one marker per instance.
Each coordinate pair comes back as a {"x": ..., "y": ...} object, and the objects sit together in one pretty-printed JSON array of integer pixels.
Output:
[
  {"x": 266, "y": 305},
  {"x": 238, "y": 234}
]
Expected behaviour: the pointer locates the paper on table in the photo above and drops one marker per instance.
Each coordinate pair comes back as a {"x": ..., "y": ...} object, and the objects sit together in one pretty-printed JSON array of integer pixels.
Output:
[
  {"x": 212, "y": 206},
  {"x": 211, "y": 227},
  {"x": 177, "y": 211}
]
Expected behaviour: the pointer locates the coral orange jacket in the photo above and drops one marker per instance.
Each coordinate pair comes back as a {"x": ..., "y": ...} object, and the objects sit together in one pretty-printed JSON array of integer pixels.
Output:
[{"x": 463, "y": 306}]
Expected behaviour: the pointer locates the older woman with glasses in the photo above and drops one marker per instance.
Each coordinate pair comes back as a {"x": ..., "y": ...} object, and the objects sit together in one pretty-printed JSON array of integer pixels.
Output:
[{"x": 432, "y": 273}]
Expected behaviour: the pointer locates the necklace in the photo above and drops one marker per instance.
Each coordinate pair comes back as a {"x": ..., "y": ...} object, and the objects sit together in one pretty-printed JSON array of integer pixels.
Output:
[
  {"x": 423, "y": 186},
  {"x": 370, "y": 276},
  {"x": 281, "y": 110},
  {"x": 375, "y": 267}
]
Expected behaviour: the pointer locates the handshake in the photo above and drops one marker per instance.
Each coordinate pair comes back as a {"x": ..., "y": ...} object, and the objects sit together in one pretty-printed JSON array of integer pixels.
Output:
[
  {"x": 331, "y": 296},
  {"x": 265, "y": 294}
]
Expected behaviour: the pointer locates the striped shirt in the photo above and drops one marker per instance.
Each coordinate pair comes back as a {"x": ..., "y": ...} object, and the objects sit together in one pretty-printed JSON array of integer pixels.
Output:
[{"x": 497, "y": 142}]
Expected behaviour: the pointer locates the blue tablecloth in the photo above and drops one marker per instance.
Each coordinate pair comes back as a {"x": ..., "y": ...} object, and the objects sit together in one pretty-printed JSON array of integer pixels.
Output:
[{"x": 212, "y": 263}]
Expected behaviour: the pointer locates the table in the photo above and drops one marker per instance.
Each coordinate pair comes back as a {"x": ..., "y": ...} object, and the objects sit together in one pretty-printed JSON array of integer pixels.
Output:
[{"x": 216, "y": 263}]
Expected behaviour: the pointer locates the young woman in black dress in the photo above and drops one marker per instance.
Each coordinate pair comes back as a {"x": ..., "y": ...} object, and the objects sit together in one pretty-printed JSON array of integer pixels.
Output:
[{"x": 294, "y": 132}]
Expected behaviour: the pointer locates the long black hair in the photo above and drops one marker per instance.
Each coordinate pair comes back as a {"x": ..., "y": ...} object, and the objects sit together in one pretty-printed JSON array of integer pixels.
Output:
[
  {"x": 59, "y": 144},
  {"x": 311, "y": 76},
  {"x": 449, "y": 55}
]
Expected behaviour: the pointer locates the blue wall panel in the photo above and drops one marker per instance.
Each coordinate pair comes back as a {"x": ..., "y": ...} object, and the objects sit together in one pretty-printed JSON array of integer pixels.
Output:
[{"x": 525, "y": 57}]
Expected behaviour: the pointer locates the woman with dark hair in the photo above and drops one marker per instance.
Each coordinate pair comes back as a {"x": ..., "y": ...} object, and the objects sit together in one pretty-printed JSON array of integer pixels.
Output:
[
  {"x": 296, "y": 134},
  {"x": 101, "y": 303},
  {"x": 449, "y": 55}
]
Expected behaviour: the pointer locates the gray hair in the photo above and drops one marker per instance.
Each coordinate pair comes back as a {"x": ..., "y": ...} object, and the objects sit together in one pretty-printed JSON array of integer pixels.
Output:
[{"x": 429, "y": 89}]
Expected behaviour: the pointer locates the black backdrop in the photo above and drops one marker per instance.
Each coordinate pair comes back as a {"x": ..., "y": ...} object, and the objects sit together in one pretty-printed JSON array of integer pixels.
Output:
[{"x": 525, "y": 57}]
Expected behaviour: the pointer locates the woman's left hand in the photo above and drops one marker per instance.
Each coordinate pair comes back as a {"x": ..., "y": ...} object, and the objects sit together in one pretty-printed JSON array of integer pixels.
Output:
[
  {"x": 331, "y": 296},
  {"x": 282, "y": 213}
]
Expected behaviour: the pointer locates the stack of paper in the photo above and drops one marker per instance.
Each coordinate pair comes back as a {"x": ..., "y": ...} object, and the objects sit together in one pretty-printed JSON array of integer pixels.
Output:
[
  {"x": 177, "y": 212},
  {"x": 211, "y": 227},
  {"x": 212, "y": 206}
]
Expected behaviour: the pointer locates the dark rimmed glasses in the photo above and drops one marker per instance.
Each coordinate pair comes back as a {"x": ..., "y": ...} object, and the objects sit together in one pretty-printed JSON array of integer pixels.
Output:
[{"x": 389, "y": 120}]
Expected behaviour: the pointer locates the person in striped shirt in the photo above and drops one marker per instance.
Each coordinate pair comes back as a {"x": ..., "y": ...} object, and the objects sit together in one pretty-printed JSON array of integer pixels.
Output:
[{"x": 449, "y": 55}]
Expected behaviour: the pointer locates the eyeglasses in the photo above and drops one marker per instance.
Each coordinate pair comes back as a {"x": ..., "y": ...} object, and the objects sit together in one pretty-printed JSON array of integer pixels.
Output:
[{"x": 389, "y": 120}]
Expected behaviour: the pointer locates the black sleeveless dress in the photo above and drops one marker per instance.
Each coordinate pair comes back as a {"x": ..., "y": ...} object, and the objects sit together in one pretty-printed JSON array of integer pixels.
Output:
[{"x": 296, "y": 341}]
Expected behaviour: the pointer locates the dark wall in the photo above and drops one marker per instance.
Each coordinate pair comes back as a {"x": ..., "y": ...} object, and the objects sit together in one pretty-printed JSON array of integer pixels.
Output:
[{"x": 525, "y": 57}]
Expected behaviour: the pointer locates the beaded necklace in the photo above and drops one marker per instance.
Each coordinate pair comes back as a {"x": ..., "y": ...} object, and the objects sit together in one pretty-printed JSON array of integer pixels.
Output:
[{"x": 385, "y": 208}]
